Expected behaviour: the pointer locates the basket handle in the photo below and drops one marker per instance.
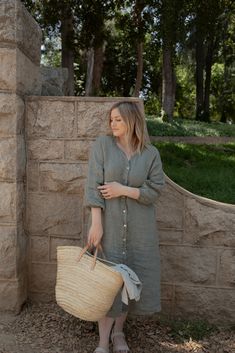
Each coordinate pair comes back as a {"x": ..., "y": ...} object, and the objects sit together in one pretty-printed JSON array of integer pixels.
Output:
[{"x": 84, "y": 250}]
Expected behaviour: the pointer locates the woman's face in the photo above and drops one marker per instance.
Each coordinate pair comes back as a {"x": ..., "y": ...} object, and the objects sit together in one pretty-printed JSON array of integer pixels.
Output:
[{"x": 117, "y": 124}]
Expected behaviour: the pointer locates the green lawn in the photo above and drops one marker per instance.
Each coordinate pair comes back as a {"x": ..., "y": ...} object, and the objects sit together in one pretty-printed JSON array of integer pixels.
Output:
[
  {"x": 206, "y": 170},
  {"x": 180, "y": 127}
]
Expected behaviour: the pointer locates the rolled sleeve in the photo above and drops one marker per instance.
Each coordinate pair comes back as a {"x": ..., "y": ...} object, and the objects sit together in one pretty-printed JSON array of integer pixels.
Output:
[
  {"x": 152, "y": 187},
  {"x": 95, "y": 177}
]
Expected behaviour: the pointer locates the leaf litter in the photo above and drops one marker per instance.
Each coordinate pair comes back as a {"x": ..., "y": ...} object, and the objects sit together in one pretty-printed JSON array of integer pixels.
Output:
[{"x": 46, "y": 328}]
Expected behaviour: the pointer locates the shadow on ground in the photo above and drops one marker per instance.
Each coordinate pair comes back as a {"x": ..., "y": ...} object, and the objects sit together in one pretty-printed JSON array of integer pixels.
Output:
[{"x": 45, "y": 328}]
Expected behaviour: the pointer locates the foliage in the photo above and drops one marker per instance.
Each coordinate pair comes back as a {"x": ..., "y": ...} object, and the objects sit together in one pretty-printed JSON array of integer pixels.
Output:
[
  {"x": 185, "y": 91},
  {"x": 114, "y": 25},
  {"x": 205, "y": 170},
  {"x": 182, "y": 330},
  {"x": 153, "y": 106},
  {"x": 184, "y": 127}
]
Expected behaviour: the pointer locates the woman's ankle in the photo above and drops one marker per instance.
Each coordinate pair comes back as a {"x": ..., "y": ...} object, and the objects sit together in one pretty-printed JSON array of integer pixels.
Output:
[
  {"x": 117, "y": 329},
  {"x": 104, "y": 344}
]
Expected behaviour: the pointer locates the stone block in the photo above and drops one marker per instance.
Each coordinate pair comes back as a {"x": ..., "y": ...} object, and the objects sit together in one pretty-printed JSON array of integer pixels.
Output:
[
  {"x": 69, "y": 178},
  {"x": 42, "y": 297},
  {"x": 226, "y": 275},
  {"x": 17, "y": 27},
  {"x": 7, "y": 252},
  {"x": 8, "y": 159},
  {"x": 42, "y": 277},
  {"x": 49, "y": 118},
  {"x": 78, "y": 150},
  {"x": 12, "y": 158},
  {"x": 207, "y": 225},
  {"x": 13, "y": 294},
  {"x": 28, "y": 33},
  {"x": 43, "y": 149},
  {"x": 7, "y": 22},
  {"x": 92, "y": 118},
  {"x": 7, "y": 202},
  {"x": 54, "y": 81},
  {"x": 170, "y": 208},
  {"x": 170, "y": 236},
  {"x": 213, "y": 304},
  {"x": 188, "y": 264},
  {"x": 11, "y": 115},
  {"x": 20, "y": 202},
  {"x": 18, "y": 73},
  {"x": 8, "y": 69},
  {"x": 167, "y": 291},
  {"x": 39, "y": 249},
  {"x": 86, "y": 219},
  {"x": 20, "y": 158},
  {"x": 21, "y": 251},
  {"x": 54, "y": 214},
  {"x": 61, "y": 242},
  {"x": 32, "y": 176},
  {"x": 28, "y": 78},
  {"x": 166, "y": 308}
]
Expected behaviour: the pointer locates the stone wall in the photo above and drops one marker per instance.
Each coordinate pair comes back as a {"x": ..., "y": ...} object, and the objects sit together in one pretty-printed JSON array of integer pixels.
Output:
[
  {"x": 44, "y": 147},
  {"x": 197, "y": 238},
  {"x": 20, "y": 39},
  {"x": 60, "y": 132},
  {"x": 197, "y": 235}
]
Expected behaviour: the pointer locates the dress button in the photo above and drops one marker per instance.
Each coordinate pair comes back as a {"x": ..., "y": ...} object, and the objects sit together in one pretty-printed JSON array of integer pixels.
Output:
[
  {"x": 127, "y": 168},
  {"x": 124, "y": 239},
  {"x": 124, "y": 211},
  {"x": 124, "y": 226},
  {"x": 123, "y": 252}
]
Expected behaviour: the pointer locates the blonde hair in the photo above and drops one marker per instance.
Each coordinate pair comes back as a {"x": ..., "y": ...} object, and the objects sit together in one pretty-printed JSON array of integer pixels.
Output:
[{"x": 134, "y": 118}]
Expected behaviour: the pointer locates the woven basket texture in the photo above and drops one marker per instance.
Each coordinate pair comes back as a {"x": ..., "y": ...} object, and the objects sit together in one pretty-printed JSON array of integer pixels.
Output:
[{"x": 85, "y": 293}]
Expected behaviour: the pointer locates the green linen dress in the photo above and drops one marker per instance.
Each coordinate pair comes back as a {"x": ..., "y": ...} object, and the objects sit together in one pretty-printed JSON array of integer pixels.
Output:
[{"x": 130, "y": 236}]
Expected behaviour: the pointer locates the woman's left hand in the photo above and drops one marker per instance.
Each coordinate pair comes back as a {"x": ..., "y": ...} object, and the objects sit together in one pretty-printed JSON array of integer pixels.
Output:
[{"x": 111, "y": 190}]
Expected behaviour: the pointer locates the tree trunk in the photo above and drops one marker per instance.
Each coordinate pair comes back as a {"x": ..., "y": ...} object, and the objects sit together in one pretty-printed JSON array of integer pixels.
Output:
[
  {"x": 168, "y": 85},
  {"x": 199, "y": 77},
  {"x": 89, "y": 72},
  {"x": 209, "y": 59},
  {"x": 138, "y": 24},
  {"x": 139, "y": 75},
  {"x": 67, "y": 35},
  {"x": 223, "y": 97},
  {"x": 97, "y": 69}
]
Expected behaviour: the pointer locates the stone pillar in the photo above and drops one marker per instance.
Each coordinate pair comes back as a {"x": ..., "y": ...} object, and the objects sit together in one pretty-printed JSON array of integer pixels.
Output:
[{"x": 20, "y": 41}]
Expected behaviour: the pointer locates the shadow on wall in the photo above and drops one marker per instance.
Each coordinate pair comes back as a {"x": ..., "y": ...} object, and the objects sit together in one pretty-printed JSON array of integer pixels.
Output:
[
  {"x": 197, "y": 235},
  {"x": 44, "y": 147}
]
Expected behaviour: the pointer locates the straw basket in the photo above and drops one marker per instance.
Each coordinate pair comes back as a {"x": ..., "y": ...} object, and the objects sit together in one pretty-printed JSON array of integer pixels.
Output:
[{"x": 85, "y": 287}]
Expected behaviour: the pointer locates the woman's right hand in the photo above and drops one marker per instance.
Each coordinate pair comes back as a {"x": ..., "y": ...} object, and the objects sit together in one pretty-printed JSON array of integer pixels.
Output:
[{"x": 95, "y": 234}]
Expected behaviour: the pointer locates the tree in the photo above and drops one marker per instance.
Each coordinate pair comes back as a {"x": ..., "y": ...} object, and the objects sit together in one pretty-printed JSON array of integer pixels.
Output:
[
  {"x": 228, "y": 58},
  {"x": 170, "y": 21},
  {"x": 93, "y": 36},
  {"x": 207, "y": 27},
  {"x": 53, "y": 15},
  {"x": 139, "y": 26}
]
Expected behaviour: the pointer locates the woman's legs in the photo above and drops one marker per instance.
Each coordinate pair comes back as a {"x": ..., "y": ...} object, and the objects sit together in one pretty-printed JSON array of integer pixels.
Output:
[
  {"x": 119, "y": 322},
  {"x": 118, "y": 337},
  {"x": 105, "y": 325}
]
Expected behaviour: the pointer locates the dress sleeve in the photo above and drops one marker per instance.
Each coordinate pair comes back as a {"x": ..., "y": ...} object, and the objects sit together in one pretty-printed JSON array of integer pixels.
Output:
[
  {"x": 151, "y": 188},
  {"x": 95, "y": 177}
]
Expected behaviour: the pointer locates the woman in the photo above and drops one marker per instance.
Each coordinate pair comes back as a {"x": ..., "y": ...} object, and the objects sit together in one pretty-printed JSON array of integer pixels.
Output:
[{"x": 124, "y": 179}]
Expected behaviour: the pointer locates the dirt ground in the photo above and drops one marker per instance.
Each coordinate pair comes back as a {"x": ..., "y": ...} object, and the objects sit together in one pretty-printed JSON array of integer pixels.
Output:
[{"x": 45, "y": 328}]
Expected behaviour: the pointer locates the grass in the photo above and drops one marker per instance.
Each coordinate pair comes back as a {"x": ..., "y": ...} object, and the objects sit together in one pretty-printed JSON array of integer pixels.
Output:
[
  {"x": 181, "y": 330},
  {"x": 206, "y": 170},
  {"x": 183, "y": 127}
]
